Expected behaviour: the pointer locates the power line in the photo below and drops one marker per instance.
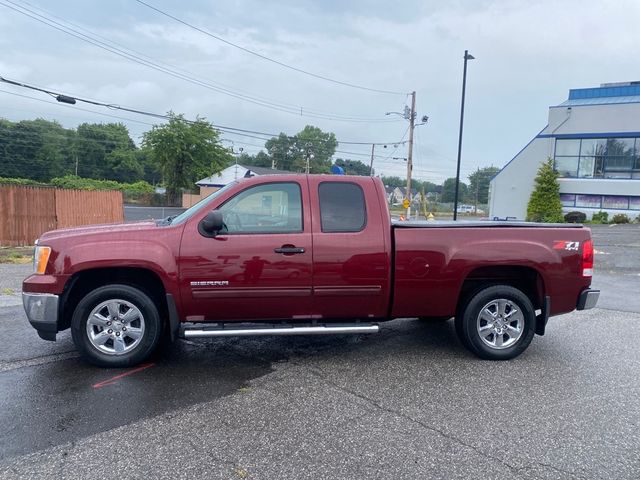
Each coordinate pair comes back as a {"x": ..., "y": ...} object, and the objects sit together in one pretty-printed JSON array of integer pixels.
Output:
[
  {"x": 172, "y": 71},
  {"x": 223, "y": 128},
  {"x": 264, "y": 57},
  {"x": 75, "y": 108}
]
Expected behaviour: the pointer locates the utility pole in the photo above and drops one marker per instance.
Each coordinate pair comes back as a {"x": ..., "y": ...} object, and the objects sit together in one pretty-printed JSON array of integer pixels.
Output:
[
  {"x": 475, "y": 208},
  {"x": 412, "y": 118},
  {"x": 373, "y": 146},
  {"x": 273, "y": 158},
  {"x": 308, "y": 145}
]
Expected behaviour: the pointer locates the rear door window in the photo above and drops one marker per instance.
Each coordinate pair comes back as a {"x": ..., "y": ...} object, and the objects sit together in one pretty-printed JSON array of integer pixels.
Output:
[{"x": 342, "y": 207}]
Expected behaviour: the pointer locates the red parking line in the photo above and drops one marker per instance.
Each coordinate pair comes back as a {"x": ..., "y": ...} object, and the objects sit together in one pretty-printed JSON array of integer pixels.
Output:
[{"x": 113, "y": 380}]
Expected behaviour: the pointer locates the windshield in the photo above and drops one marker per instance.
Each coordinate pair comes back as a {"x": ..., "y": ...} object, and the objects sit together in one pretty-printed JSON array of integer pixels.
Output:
[{"x": 200, "y": 205}]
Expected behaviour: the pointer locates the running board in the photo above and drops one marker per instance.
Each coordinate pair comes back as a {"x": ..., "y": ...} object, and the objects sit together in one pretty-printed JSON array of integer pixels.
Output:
[{"x": 226, "y": 330}]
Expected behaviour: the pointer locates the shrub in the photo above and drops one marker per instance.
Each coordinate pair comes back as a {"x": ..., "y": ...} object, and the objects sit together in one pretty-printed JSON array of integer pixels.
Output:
[
  {"x": 575, "y": 217},
  {"x": 600, "y": 217},
  {"x": 19, "y": 181},
  {"x": 620, "y": 218},
  {"x": 79, "y": 183},
  {"x": 138, "y": 187}
]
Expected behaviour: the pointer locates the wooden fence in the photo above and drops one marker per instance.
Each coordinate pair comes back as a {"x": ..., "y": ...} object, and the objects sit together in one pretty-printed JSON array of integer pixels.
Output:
[{"x": 27, "y": 212}]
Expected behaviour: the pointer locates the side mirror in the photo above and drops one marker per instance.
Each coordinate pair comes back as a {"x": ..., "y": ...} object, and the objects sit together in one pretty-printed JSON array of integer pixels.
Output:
[{"x": 212, "y": 224}]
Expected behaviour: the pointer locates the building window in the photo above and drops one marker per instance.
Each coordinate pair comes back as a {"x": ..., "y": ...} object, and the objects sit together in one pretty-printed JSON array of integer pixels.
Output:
[
  {"x": 568, "y": 199},
  {"x": 567, "y": 166},
  {"x": 617, "y": 202},
  {"x": 613, "y": 202},
  {"x": 598, "y": 158},
  {"x": 588, "y": 201}
]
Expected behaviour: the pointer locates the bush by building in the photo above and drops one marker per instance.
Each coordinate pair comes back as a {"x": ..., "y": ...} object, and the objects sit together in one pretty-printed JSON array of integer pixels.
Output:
[
  {"x": 600, "y": 217},
  {"x": 620, "y": 218},
  {"x": 575, "y": 217}
]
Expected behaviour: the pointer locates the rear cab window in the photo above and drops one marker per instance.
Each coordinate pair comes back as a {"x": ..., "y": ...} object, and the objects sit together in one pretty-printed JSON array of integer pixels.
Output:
[{"x": 342, "y": 207}]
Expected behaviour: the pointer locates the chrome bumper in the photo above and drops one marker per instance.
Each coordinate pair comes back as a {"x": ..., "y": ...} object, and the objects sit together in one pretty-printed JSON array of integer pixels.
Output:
[
  {"x": 588, "y": 299},
  {"x": 42, "y": 312}
]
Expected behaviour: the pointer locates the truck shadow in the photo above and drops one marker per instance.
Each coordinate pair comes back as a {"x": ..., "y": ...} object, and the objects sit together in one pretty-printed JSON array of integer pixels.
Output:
[{"x": 191, "y": 372}]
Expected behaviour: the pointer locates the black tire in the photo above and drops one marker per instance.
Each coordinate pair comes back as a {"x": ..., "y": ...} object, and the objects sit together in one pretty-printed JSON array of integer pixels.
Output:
[
  {"x": 508, "y": 334},
  {"x": 123, "y": 298}
]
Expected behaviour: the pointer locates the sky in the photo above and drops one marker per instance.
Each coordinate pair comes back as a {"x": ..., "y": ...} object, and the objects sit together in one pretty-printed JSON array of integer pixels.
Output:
[{"x": 527, "y": 56}]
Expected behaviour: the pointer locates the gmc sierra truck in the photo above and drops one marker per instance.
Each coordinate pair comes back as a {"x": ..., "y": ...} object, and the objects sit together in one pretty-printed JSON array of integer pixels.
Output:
[{"x": 302, "y": 254}]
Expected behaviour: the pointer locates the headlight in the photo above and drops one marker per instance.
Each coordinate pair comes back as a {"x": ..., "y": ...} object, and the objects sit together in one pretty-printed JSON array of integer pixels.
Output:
[{"x": 40, "y": 259}]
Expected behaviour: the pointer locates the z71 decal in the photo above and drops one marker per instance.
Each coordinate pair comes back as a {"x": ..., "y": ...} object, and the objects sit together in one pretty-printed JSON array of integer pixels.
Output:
[{"x": 566, "y": 245}]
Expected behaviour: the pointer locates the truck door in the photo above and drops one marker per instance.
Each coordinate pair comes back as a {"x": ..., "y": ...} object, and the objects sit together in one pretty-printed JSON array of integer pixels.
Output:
[
  {"x": 350, "y": 255},
  {"x": 260, "y": 267}
]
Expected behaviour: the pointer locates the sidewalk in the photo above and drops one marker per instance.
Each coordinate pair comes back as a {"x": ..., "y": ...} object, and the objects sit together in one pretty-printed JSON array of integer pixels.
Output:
[{"x": 11, "y": 277}]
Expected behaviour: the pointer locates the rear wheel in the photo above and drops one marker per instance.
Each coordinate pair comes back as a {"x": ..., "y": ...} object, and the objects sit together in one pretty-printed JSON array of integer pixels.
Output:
[
  {"x": 116, "y": 326},
  {"x": 497, "y": 323}
]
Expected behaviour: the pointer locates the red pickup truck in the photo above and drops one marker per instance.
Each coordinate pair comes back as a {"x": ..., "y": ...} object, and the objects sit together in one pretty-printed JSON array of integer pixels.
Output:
[{"x": 302, "y": 254}]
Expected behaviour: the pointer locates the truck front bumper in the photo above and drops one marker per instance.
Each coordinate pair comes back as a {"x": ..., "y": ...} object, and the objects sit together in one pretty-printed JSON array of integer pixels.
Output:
[
  {"x": 588, "y": 299},
  {"x": 42, "y": 312}
]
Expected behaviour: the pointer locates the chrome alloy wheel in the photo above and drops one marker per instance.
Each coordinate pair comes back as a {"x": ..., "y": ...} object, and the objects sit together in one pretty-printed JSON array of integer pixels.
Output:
[
  {"x": 500, "y": 323},
  {"x": 115, "y": 327}
]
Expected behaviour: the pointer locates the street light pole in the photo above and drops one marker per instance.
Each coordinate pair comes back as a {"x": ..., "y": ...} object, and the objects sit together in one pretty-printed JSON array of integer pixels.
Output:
[
  {"x": 412, "y": 118},
  {"x": 467, "y": 56}
]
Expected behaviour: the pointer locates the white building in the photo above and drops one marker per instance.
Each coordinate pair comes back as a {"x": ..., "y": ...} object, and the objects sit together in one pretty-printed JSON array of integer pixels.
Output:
[
  {"x": 236, "y": 172},
  {"x": 594, "y": 139},
  {"x": 216, "y": 182}
]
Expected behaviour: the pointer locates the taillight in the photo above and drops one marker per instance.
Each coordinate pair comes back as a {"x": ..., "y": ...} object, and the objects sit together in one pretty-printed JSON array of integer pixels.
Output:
[{"x": 587, "y": 258}]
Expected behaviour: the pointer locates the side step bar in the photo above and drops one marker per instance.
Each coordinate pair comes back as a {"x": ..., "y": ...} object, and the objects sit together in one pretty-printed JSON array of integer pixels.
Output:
[{"x": 234, "y": 330}]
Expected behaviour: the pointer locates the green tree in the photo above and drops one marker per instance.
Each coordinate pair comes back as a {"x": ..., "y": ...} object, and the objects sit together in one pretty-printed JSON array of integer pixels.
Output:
[
  {"x": 449, "y": 191},
  {"x": 94, "y": 146},
  {"x": 290, "y": 153},
  {"x": 124, "y": 166},
  {"x": 479, "y": 183},
  {"x": 185, "y": 152},
  {"x": 544, "y": 203},
  {"x": 353, "y": 167},
  {"x": 261, "y": 159},
  {"x": 35, "y": 149},
  {"x": 394, "y": 182}
]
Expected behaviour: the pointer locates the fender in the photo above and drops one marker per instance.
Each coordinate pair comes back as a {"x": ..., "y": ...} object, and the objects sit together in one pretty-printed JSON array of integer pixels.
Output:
[
  {"x": 149, "y": 254},
  {"x": 432, "y": 265}
]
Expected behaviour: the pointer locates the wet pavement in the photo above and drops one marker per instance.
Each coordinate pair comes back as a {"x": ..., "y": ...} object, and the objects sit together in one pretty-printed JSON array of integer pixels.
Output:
[{"x": 409, "y": 402}]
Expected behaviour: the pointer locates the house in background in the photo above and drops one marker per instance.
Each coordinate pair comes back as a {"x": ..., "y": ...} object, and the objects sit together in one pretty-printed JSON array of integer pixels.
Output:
[
  {"x": 594, "y": 139},
  {"x": 395, "y": 195},
  {"x": 216, "y": 182}
]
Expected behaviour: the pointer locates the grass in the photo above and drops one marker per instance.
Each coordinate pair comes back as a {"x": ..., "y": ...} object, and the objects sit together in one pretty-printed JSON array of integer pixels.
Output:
[{"x": 16, "y": 255}]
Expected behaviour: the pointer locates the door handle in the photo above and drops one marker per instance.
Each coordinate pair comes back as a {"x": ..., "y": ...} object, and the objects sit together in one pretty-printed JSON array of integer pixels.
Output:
[{"x": 289, "y": 250}]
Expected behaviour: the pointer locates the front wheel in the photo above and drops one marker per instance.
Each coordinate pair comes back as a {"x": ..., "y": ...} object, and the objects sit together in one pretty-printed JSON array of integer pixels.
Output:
[
  {"x": 497, "y": 323},
  {"x": 116, "y": 326}
]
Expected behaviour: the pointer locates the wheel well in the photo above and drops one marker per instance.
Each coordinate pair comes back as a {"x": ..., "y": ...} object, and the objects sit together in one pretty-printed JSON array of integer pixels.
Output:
[
  {"x": 526, "y": 279},
  {"x": 83, "y": 282}
]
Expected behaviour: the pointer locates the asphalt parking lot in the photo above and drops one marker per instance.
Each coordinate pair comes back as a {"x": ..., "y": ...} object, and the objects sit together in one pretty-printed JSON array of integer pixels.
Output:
[{"x": 409, "y": 402}]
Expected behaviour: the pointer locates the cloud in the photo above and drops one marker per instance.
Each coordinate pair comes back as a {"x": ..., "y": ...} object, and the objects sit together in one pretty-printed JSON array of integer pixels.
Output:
[{"x": 528, "y": 55}]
